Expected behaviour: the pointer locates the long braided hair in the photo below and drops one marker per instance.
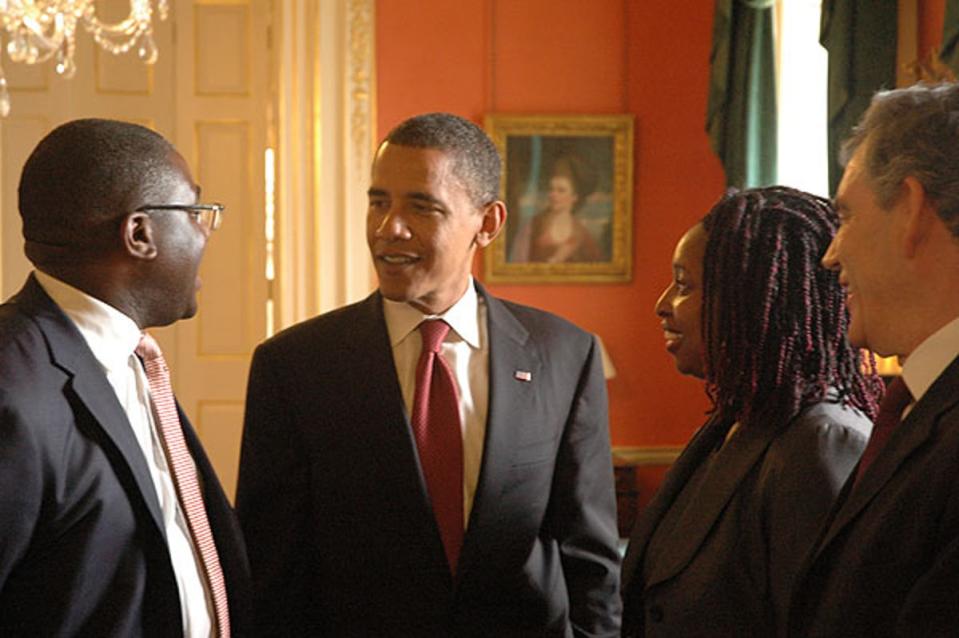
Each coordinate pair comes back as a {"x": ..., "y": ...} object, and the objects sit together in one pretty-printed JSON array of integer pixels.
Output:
[{"x": 774, "y": 320}]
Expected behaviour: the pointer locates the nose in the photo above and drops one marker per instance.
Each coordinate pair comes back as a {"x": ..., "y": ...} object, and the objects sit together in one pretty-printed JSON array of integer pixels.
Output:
[
  {"x": 830, "y": 260},
  {"x": 663, "y": 308},
  {"x": 392, "y": 226}
]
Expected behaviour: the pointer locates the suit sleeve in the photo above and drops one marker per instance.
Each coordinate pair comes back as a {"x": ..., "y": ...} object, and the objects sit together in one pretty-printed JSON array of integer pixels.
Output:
[
  {"x": 803, "y": 474},
  {"x": 582, "y": 509},
  {"x": 20, "y": 490},
  {"x": 273, "y": 505}
]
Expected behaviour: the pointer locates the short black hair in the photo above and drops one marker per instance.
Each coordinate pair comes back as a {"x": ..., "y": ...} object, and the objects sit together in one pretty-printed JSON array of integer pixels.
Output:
[
  {"x": 87, "y": 172},
  {"x": 476, "y": 160}
]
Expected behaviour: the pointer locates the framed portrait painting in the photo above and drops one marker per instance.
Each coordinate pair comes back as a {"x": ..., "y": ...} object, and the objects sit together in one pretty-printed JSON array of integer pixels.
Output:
[{"x": 567, "y": 182}]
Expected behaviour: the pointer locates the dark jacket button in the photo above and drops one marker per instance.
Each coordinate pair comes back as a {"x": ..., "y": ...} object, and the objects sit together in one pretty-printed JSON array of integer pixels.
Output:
[{"x": 656, "y": 613}]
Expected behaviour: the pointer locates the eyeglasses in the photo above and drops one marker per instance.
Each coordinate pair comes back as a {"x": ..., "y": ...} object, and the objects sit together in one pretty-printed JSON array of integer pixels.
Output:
[{"x": 210, "y": 216}]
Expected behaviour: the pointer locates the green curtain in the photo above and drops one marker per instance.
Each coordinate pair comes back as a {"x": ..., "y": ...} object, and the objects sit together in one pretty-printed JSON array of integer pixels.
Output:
[
  {"x": 950, "y": 36},
  {"x": 860, "y": 36},
  {"x": 741, "y": 112}
]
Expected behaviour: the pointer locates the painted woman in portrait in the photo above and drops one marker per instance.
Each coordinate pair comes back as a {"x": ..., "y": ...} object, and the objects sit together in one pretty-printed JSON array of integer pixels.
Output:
[{"x": 556, "y": 234}]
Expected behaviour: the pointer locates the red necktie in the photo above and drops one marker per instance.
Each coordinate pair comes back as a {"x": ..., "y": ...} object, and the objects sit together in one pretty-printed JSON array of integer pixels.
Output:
[
  {"x": 184, "y": 476},
  {"x": 893, "y": 404},
  {"x": 439, "y": 439}
]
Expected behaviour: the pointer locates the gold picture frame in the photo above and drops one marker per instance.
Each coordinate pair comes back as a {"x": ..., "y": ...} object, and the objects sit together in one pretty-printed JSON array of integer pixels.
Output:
[{"x": 567, "y": 181}]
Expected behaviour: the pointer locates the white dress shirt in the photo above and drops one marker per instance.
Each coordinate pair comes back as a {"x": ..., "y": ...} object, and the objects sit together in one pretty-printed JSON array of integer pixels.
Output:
[
  {"x": 931, "y": 358},
  {"x": 466, "y": 349},
  {"x": 112, "y": 337}
]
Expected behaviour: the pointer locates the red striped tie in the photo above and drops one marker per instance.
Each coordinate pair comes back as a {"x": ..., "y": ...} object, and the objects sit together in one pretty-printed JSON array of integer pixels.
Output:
[
  {"x": 439, "y": 438},
  {"x": 184, "y": 476}
]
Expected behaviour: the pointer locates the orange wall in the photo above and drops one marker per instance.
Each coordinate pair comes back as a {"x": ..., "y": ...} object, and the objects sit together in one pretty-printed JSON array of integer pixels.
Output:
[
  {"x": 650, "y": 59},
  {"x": 930, "y": 15}
]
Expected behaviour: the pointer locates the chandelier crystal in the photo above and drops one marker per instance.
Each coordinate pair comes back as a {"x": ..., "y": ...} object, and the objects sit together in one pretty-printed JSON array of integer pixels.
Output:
[{"x": 37, "y": 30}]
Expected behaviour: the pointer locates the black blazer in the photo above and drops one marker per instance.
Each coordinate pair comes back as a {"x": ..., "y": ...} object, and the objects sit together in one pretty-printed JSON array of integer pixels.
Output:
[
  {"x": 729, "y": 567},
  {"x": 887, "y": 564},
  {"x": 82, "y": 546},
  {"x": 341, "y": 535}
]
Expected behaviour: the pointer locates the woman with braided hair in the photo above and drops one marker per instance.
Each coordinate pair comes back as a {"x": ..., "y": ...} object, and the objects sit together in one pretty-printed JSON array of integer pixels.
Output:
[{"x": 752, "y": 313}]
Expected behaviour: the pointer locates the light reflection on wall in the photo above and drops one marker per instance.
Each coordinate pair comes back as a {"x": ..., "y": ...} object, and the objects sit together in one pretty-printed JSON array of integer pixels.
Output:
[{"x": 269, "y": 232}]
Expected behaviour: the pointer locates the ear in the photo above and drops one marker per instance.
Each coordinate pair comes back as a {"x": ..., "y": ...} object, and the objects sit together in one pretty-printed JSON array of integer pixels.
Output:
[
  {"x": 137, "y": 234},
  {"x": 920, "y": 215},
  {"x": 494, "y": 218}
]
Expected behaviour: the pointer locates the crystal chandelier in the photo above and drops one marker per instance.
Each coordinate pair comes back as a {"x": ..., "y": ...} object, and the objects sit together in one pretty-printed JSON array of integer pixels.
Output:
[{"x": 37, "y": 30}]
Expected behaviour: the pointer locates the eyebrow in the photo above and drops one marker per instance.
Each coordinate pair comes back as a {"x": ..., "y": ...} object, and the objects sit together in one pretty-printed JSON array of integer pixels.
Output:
[
  {"x": 425, "y": 197},
  {"x": 417, "y": 195}
]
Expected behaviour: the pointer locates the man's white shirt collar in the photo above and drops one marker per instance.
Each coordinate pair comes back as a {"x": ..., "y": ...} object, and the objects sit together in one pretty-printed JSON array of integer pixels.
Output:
[
  {"x": 930, "y": 359},
  {"x": 110, "y": 334},
  {"x": 402, "y": 318}
]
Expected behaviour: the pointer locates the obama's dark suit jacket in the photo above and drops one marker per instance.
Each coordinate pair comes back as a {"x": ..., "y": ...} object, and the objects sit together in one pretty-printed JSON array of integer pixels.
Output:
[{"x": 341, "y": 535}]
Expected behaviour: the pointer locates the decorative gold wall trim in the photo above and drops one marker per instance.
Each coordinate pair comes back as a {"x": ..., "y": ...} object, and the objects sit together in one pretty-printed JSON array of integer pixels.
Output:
[
  {"x": 362, "y": 88},
  {"x": 655, "y": 455}
]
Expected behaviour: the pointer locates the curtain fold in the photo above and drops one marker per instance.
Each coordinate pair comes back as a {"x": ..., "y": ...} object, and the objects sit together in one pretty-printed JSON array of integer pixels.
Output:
[
  {"x": 949, "y": 53},
  {"x": 741, "y": 110},
  {"x": 860, "y": 36}
]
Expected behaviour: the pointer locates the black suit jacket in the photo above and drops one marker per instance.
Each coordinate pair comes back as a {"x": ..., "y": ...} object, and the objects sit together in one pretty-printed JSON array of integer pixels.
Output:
[
  {"x": 729, "y": 567},
  {"x": 82, "y": 547},
  {"x": 341, "y": 535},
  {"x": 887, "y": 564}
]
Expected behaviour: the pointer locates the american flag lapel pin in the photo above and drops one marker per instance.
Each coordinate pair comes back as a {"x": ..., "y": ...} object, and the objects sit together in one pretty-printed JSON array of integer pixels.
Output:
[{"x": 523, "y": 375}]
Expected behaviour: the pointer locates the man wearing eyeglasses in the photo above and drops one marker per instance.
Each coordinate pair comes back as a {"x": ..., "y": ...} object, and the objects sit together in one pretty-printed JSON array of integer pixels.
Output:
[{"x": 112, "y": 521}]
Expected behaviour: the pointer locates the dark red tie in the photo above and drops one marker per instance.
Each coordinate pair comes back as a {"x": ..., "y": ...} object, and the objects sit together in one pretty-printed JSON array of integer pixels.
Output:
[
  {"x": 895, "y": 400},
  {"x": 184, "y": 477},
  {"x": 439, "y": 439}
]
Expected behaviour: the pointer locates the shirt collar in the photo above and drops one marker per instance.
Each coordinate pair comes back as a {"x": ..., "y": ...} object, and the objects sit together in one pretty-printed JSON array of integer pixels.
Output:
[
  {"x": 463, "y": 318},
  {"x": 927, "y": 362},
  {"x": 111, "y": 335}
]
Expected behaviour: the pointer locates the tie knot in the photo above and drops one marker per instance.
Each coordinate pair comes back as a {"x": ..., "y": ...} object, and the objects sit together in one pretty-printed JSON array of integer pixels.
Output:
[
  {"x": 433, "y": 332},
  {"x": 148, "y": 349},
  {"x": 897, "y": 397}
]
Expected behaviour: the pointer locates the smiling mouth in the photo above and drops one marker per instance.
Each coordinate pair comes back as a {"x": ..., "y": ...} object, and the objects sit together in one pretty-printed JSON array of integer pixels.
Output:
[
  {"x": 672, "y": 338},
  {"x": 397, "y": 260}
]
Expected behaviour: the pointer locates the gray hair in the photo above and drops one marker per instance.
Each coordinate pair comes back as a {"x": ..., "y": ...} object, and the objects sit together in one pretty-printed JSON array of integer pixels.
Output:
[{"x": 913, "y": 132}]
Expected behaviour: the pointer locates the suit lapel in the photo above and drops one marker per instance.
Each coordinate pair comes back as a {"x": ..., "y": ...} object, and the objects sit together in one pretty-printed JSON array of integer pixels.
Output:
[
  {"x": 385, "y": 419},
  {"x": 699, "y": 447},
  {"x": 738, "y": 457},
  {"x": 70, "y": 353},
  {"x": 512, "y": 402},
  {"x": 912, "y": 433},
  {"x": 372, "y": 353}
]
